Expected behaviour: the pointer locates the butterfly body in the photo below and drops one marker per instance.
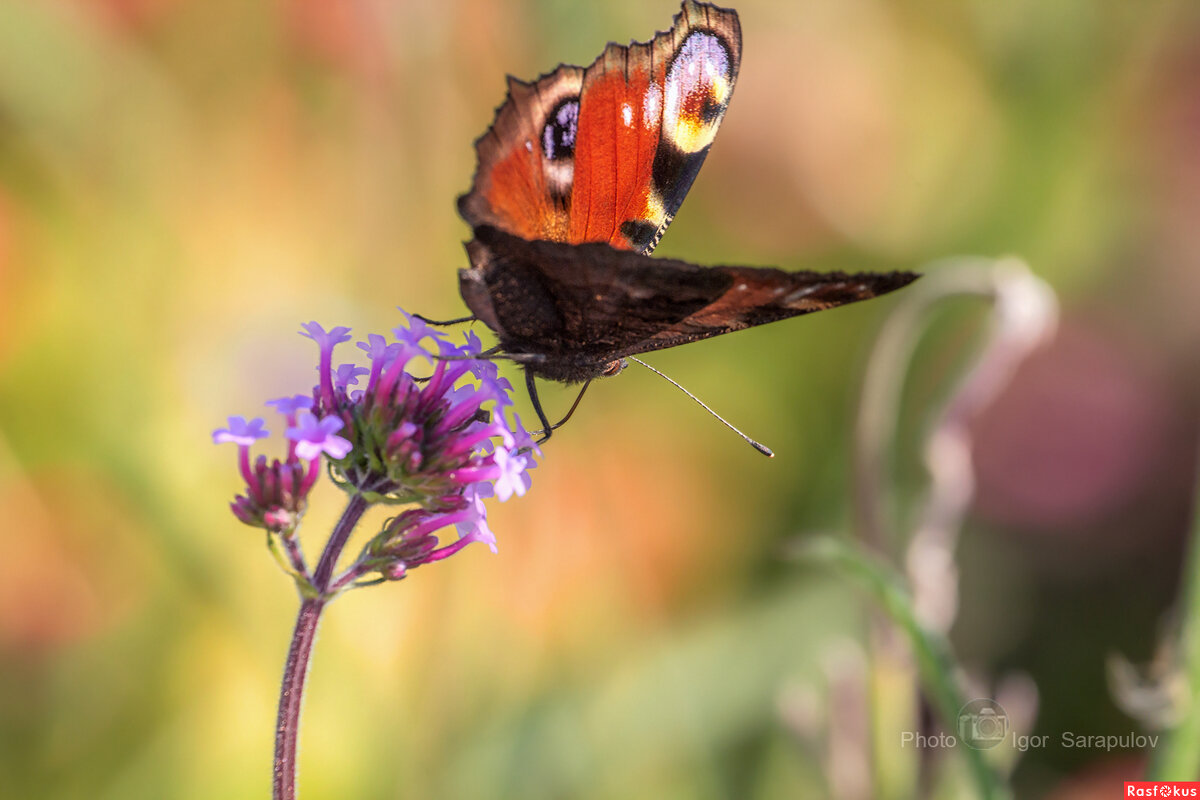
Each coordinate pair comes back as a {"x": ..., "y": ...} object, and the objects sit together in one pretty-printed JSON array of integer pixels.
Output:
[{"x": 578, "y": 177}]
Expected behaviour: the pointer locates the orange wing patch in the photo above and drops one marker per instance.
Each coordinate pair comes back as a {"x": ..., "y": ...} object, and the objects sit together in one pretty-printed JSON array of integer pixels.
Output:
[
  {"x": 614, "y": 158},
  {"x": 649, "y": 114},
  {"x": 520, "y": 187}
]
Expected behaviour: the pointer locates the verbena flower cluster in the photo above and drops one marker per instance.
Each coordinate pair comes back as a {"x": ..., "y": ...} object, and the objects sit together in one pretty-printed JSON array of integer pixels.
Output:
[{"x": 430, "y": 428}]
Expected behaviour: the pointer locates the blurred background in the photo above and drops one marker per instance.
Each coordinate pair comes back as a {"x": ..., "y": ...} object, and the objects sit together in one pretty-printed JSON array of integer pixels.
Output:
[{"x": 183, "y": 183}]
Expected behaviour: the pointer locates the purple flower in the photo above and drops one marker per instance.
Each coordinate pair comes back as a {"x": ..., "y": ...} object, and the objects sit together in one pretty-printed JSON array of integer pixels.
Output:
[
  {"x": 487, "y": 372},
  {"x": 474, "y": 527},
  {"x": 438, "y": 440},
  {"x": 326, "y": 341},
  {"x": 316, "y": 436},
  {"x": 289, "y": 406},
  {"x": 522, "y": 440},
  {"x": 241, "y": 432},
  {"x": 510, "y": 481},
  {"x": 348, "y": 375},
  {"x": 416, "y": 331},
  {"x": 376, "y": 347},
  {"x": 276, "y": 492},
  {"x": 408, "y": 540},
  {"x": 416, "y": 439}
]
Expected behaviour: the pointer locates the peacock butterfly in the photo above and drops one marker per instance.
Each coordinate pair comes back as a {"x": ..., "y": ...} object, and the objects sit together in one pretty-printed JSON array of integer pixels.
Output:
[{"x": 578, "y": 177}]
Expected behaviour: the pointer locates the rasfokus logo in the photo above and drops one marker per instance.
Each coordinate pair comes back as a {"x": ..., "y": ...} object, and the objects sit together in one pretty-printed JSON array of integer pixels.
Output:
[{"x": 1162, "y": 789}]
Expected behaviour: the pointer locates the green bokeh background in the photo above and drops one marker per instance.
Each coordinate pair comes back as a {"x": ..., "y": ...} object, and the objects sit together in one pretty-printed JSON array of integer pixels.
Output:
[{"x": 182, "y": 183}]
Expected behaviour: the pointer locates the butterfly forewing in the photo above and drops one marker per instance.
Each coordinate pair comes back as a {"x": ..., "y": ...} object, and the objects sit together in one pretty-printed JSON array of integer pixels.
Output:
[
  {"x": 524, "y": 178},
  {"x": 607, "y": 154}
]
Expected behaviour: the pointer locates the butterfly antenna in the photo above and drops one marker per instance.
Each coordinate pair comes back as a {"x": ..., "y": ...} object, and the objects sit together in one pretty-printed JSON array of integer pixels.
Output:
[{"x": 759, "y": 446}]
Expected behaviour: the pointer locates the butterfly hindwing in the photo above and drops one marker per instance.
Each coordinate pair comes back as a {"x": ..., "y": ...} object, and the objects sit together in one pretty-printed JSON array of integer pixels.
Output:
[
  {"x": 608, "y": 153},
  {"x": 568, "y": 311}
]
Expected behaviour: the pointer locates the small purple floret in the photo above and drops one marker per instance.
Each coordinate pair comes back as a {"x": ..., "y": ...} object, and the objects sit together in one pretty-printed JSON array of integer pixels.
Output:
[
  {"x": 512, "y": 472},
  {"x": 325, "y": 339},
  {"x": 375, "y": 346},
  {"x": 291, "y": 405},
  {"x": 314, "y": 437},
  {"x": 522, "y": 440},
  {"x": 475, "y": 528},
  {"x": 348, "y": 375},
  {"x": 241, "y": 432},
  {"x": 473, "y": 344},
  {"x": 417, "y": 330}
]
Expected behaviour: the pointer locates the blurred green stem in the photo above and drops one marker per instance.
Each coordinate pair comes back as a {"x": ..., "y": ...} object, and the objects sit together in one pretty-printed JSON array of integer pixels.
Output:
[
  {"x": 1024, "y": 313},
  {"x": 1179, "y": 757},
  {"x": 287, "y": 726},
  {"x": 930, "y": 648}
]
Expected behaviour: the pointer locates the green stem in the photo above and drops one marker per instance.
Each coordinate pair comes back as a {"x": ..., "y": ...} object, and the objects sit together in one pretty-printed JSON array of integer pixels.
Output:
[
  {"x": 1179, "y": 757},
  {"x": 931, "y": 650}
]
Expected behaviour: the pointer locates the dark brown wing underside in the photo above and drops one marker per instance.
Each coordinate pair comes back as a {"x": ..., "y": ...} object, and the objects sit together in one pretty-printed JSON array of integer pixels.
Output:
[{"x": 575, "y": 308}]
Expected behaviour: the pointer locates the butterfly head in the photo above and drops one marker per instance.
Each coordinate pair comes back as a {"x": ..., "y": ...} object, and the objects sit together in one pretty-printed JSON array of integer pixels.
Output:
[{"x": 614, "y": 367}]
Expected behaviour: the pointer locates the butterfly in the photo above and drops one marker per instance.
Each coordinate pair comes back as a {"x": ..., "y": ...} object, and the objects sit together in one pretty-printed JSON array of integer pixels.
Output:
[{"x": 578, "y": 177}]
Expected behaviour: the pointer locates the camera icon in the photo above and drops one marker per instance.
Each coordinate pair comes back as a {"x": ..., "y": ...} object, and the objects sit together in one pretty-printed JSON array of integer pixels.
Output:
[{"x": 982, "y": 724}]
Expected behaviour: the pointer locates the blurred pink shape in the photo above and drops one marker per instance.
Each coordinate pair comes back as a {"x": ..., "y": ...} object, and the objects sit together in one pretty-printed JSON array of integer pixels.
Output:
[{"x": 1087, "y": 427}]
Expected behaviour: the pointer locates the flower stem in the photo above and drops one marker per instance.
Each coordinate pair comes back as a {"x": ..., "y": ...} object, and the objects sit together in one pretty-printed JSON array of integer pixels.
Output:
[
  {"x": 341, "y": 534},
  {"x": 287, "y": 727},
  {"x": 1179, "y": 758}
]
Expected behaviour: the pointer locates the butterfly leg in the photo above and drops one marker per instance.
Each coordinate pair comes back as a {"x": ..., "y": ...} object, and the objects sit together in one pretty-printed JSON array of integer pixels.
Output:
[
  {"x": 442, "y": 323},
  {"x": 574, "y": 406},
  {"x": 547, "y": 428},
  {"x": 531, "y": 387}
]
